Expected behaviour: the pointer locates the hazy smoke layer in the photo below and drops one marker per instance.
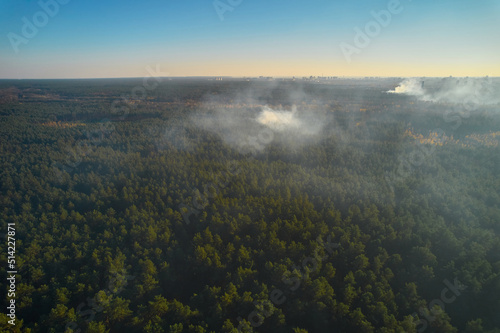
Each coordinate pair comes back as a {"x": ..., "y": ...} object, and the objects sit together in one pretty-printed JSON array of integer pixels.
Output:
[
  {"x": 301, "y": 124},
  {"x": 279, "y": 120},
  {"x": 479, "y": 91},
  {"x": 411, "y": 87},
  {"x": 242, "y": 128}
]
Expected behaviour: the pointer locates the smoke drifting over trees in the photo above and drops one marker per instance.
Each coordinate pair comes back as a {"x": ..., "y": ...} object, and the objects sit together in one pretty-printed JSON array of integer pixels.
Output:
[
  {"x": 234, "y": 206},
  {"x": 473, "y": 91},
  {"x": 247, "y": 119}
]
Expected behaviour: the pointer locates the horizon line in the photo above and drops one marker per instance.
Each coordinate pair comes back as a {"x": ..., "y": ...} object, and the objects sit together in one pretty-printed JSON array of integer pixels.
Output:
[{"x": 250, "y": 77}]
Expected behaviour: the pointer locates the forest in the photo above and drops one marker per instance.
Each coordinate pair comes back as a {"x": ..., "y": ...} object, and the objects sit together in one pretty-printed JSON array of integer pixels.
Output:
[{"x": 245, "y": 205}]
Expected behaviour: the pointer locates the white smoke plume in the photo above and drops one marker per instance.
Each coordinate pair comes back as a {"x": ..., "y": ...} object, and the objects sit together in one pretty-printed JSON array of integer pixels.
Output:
[
  {"x": 240, "y": 128},
  {"x": 412, "y": 87},
  {"x": 477, "y": 91},
  {"x": 279, "y": 120},
  {"x": 301, "y": 124}
]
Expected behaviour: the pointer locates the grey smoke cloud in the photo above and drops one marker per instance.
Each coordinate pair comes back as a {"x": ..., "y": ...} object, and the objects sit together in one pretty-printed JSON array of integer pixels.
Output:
[
  {"x": 302, "y": 124},
  {"x": 475, "y": 91},
  {"x": 258, "y": 127},
  {"x": 279, "y": 120}
]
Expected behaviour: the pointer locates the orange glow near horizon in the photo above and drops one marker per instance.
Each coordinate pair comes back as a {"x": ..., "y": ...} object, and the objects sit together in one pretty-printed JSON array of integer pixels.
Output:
[{"x": 299, "y": 69}]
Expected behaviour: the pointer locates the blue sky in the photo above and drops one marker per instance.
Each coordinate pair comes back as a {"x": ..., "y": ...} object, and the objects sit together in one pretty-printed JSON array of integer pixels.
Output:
[{"x": 110, "y": 38}]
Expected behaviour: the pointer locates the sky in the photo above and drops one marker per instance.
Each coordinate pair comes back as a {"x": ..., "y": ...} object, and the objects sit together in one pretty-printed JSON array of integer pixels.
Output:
[{"x": 125, "y": 38}]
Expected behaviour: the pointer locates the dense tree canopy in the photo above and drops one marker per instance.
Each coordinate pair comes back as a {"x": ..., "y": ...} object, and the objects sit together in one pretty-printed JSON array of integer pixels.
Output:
[{"x": 138, "y": 220}]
